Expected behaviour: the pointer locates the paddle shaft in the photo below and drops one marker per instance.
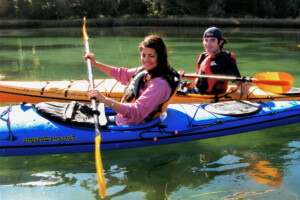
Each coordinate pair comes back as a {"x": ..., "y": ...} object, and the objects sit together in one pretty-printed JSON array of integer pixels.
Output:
[
  {"x": 98, "y": 159},
  {"x": 245, "y": 79},
  {"x": 91, "y": 81},
  {"x": 226, "y": 78}
]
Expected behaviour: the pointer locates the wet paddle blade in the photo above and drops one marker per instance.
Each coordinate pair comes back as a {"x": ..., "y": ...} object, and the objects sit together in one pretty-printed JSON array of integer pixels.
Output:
[
  {"x": 274, "y": 82},
  {"x": 99, "y": 168}
]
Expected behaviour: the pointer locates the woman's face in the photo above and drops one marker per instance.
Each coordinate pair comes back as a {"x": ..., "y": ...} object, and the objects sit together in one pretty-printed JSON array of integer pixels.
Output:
[{"x": 149, "y": 58}]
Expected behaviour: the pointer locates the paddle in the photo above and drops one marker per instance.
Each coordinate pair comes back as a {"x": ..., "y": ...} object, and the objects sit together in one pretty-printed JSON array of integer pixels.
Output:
[
  {"x": 98, "y": 160},
  {"x": 274, "y": 82}
]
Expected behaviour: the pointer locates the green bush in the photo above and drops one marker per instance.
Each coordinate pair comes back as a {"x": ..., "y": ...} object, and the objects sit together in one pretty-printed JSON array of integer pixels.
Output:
[{"x": 70, "y": 9}]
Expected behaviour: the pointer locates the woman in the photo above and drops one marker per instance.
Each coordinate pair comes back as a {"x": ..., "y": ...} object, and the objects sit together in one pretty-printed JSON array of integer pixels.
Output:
[{"x": 150, "y": 85}]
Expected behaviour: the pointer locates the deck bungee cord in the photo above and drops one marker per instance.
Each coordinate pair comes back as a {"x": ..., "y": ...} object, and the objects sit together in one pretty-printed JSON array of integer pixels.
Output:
[
  {"x": 198, "y": 127},
  {"x": 7, "y": 120}
]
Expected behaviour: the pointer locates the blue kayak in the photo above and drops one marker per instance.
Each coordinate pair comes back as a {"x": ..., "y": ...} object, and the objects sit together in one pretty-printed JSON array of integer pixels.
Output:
[{"x": 25, "y": 131}]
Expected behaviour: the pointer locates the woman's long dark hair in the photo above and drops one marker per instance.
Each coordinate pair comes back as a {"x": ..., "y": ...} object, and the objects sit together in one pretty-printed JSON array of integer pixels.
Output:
[{"x": 163, "y": 68}]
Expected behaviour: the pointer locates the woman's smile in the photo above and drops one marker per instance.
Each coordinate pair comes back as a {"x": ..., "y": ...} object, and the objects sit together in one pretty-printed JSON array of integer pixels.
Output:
[{"x": 149, "y": 58}]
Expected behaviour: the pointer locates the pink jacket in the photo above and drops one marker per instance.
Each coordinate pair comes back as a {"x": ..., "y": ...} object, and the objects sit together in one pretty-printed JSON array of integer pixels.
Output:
[{"x": 156, "y": 92}]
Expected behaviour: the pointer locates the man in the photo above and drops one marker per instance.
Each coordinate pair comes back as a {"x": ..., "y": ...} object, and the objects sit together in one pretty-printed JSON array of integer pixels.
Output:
[{"x": 214, "y": 61}]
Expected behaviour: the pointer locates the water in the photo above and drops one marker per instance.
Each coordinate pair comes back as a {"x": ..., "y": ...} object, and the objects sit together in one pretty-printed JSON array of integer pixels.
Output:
[{"x": 255, "y": 165}]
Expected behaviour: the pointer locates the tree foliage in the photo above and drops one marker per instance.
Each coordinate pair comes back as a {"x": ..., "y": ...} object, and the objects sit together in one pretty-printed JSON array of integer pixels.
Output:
[{"x": 69, "y": 9}]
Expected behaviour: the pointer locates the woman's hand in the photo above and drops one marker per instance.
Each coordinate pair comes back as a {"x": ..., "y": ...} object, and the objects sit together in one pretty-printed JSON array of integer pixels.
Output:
[
  {"x": 90, "y": 56},
  {"x": 96, "y": 94},
  {"x": 103, "y": 67},
  {"x": 101, "y": 98}
]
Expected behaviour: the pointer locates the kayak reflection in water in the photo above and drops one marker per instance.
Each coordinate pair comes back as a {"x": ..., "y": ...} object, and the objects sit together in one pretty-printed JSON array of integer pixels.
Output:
[{"x": 148, "y": 87}]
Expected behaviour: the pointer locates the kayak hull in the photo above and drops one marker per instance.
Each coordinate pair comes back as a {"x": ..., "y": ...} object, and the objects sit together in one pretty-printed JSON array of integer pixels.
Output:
[
  {"x": 28, "y": 133},
  {"x": 66, "y": 91}
]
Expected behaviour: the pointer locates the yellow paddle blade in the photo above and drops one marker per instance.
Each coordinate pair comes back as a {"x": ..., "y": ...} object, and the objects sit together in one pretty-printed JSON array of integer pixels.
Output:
[
  {"x": 85, "y": 35},
  {"x": 99, "y": 168},
  {"x": 274, "y": 82}
]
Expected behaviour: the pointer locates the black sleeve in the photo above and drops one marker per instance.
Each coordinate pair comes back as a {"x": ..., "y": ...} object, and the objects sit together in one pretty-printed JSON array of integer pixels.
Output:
[{"x": 229, "y": 66}]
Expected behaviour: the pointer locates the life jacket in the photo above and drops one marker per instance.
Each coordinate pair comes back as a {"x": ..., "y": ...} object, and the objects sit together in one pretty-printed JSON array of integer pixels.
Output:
[
  {"x": 131, "y": 91},
  {"x": 137, "y": 81},
  {"x": 204, "y": 64}
]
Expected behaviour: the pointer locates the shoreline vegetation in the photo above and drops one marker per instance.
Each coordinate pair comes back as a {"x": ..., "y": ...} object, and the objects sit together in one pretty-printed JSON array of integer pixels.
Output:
[{"x": 171, "y": 22}]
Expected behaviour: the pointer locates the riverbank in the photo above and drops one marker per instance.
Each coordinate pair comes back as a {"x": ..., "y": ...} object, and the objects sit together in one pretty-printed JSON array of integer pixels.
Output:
[{"x": 180, "y": 22}]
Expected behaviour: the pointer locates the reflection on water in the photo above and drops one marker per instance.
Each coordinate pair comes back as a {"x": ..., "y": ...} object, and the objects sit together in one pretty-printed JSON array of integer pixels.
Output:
[
  {"x": 247, "y": 166},
  {"x": 256, "y": 165},
  {"x": 294, "y": 47},
  {"x": 263, "y": 172}
]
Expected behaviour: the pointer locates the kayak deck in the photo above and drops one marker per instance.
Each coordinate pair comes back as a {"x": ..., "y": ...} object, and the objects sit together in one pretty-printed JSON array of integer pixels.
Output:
[
  {"x": 66, "y": 91},
  {"x": 61, "y": 91},
  {"x": 29, "y": 133}
]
